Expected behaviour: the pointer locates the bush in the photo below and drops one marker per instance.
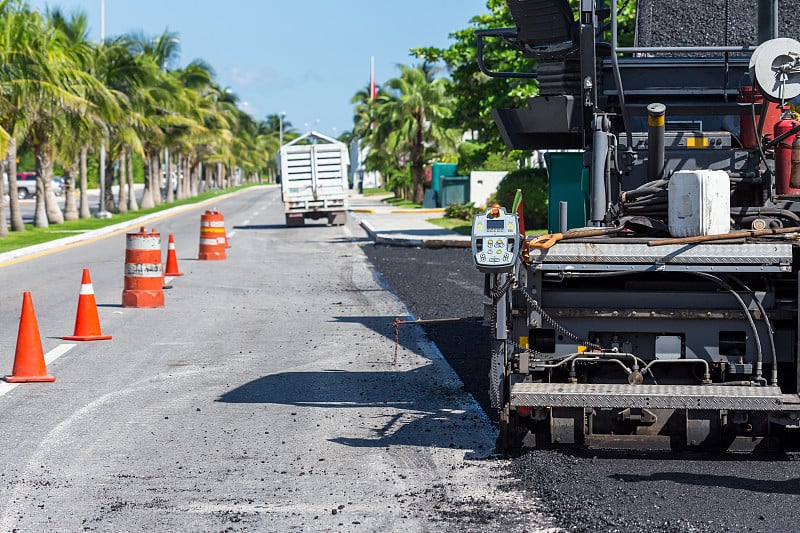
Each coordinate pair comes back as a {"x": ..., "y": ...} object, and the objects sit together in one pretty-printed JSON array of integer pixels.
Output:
[
  {"x": 461, "y": 211},
  {"x": 533, "y": 182}
]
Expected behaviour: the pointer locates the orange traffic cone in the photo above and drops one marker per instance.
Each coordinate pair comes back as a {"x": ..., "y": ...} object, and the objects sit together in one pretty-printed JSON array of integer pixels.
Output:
[
  {"x": 172, "y": 260},
  {"x": 87, "y": 323},
  {"x": 29, "y": 362}
]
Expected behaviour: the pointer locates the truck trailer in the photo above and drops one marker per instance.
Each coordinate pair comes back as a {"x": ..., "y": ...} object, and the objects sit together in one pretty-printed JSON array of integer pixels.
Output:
[
  {"x": 314, "y": 179},
  {"x": 662, "y": 307}
]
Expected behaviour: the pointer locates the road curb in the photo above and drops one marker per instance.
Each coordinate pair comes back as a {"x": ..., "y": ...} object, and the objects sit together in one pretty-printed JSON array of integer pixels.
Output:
[
  {"x": 423, "y": 242},
  {"x": 14, "y": 256}
]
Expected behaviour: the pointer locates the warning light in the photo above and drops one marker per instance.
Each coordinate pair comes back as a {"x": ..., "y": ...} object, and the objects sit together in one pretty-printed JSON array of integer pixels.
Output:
[
  {"x": 494, "y": 212},
  {"x": 582, "y": 349}
]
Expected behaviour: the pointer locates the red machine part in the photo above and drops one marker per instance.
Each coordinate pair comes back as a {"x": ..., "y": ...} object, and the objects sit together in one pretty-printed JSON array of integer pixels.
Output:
[
  {"x": 783, "y": 158},
  {"x": 747, "y": 134}
]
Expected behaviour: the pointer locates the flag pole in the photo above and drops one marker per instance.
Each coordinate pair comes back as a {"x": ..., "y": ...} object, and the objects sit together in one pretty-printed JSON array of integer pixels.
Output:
[{"x": 372, "y": 77}]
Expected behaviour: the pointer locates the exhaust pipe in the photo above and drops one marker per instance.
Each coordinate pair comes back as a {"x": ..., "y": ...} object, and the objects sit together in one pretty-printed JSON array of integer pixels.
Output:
[{"x": 655, "y": 141}]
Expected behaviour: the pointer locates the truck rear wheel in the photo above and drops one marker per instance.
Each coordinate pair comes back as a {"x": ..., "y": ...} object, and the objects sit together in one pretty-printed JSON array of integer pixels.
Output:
[
  {"x": 337, "y": 219},
  {"x": 294, "y": 221}
]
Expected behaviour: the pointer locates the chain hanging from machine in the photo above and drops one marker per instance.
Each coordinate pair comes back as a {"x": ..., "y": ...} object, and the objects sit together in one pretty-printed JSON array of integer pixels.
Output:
[{"x": 555, "y": 325}]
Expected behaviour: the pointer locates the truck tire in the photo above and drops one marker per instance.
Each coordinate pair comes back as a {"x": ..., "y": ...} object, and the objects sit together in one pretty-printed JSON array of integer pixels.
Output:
[
  {"x": 337, "y": 219},
  {"x": 294, "y": 222}
]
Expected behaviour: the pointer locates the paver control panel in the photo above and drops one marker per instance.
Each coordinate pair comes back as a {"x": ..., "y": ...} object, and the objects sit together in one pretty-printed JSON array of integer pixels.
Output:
[{"x": 495, "y": 240}]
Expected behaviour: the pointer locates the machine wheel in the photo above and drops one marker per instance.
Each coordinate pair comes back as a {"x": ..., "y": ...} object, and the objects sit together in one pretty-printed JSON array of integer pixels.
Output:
[{"x": 512, "y": 433}]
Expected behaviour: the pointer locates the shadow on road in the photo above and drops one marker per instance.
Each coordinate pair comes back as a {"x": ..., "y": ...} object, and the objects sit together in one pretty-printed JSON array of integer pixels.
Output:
[
  {"x": 766, "y": 486},
  {"x": 410, "y": 408}
]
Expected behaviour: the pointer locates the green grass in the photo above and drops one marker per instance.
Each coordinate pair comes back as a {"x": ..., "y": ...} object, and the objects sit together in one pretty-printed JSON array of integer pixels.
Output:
[
  {"x": 462, "y": 227},
  {"x": 376, "y": 191},
  {"x": 402, "y": 204},
  {"x": 31, "y": 235}
]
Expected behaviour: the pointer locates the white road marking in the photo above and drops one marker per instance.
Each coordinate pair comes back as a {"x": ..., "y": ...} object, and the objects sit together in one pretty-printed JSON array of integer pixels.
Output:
[
  {"x": 231, "y": 234},
  {"x": 49, "y": 357},
  {"x": 246, "y": 222}
]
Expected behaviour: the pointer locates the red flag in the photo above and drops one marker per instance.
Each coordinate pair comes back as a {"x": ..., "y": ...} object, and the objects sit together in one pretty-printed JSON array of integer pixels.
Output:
[{"x": 373, "y": 90}]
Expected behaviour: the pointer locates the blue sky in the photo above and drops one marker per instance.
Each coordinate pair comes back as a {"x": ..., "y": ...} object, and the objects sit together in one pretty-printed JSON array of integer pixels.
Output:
[{"x": 305, "y": 58}]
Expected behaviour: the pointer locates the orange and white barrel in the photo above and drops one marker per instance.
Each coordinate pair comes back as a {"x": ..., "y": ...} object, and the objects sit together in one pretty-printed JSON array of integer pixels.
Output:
[
  {"x": 212, "y": 236},
  {"x": 144, "y": 277}
]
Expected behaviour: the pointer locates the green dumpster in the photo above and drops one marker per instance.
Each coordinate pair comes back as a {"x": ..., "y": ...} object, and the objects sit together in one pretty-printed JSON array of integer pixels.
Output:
[
  {"x": 568, "y": 181},
  {"x": 454, "y": 190}
]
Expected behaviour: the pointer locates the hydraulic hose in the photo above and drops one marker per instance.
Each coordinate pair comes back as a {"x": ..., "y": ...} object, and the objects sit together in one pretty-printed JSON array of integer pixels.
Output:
[
  {"x": 768, "y": 324},
  {"x": 727, "y": 287}
]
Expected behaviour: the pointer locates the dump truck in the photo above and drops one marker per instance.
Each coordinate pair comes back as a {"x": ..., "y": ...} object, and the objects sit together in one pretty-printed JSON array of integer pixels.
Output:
[
  {"x": 314, "y": 179},
  {"x": 662, "y": 307}
]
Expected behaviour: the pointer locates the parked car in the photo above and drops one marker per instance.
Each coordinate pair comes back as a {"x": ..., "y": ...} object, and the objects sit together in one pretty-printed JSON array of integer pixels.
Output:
[
  {"x": 26, "y": 184},
  {"x": 57, "y": 184}
]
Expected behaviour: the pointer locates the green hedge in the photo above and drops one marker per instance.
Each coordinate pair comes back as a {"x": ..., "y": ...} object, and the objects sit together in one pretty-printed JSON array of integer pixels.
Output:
[{"x": 533, "y": 182}]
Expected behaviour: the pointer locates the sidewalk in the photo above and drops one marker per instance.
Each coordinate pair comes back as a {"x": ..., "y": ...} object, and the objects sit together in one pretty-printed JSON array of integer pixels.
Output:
[{"x": 386, "y": 224}]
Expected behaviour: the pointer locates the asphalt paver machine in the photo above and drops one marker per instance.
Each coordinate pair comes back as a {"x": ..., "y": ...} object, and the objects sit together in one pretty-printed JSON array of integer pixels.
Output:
[{"x": 662, "y": 308}]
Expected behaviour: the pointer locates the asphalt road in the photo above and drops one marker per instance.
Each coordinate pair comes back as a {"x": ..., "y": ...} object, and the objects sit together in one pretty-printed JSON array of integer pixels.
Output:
[
  {"x": 264, "y": 396},
  {"x": 593, "y": 490}
]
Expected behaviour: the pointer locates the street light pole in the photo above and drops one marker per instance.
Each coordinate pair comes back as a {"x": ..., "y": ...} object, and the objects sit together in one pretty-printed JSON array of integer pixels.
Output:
[{"x": 101, "y": 211}]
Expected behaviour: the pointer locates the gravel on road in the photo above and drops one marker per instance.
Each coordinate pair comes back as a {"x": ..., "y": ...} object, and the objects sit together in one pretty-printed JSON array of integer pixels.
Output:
[{"x": 591, "y": 490}]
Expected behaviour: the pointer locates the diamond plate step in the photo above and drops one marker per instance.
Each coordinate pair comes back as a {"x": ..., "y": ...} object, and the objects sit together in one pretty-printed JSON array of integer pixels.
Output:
[{"x": 705, "y": 397}]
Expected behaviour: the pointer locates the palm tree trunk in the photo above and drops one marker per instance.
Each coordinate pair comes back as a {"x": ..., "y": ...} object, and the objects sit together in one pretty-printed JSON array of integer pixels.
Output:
[
  {"x": 3, "y": 223},
  {"x": 195, "y": 179},
  {"x": 147, "y": 194},
  {"x": 169, "y": 164},
  {"x": 13, "y": 199},
  {"x": 178, "y": 176},
  {"x": 417, "y": 163},
  {"x": 187, "y": 178},
  {"x": 132, "y": 204},
  {"x": 108, "y": 194},
  {"x": 84, "y": 209},
  {"x": 70, "y": 209},
  {"x": 201, "y": 183},
  {"x": 123, "y": 183},
  {"x": 156, "y": 178},
  {"x": 43, "y": 153}
]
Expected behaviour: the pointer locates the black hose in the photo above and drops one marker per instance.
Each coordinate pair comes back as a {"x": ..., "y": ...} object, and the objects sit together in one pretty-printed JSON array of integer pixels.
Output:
[
  {"x": 727, "y": 287},
  {"x": 741, "y": 212},
  {"x": 768, "y": 324}
]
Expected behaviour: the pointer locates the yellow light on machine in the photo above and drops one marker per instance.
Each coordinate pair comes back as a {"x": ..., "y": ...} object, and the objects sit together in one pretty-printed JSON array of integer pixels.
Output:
[{"x": 697, "y": 141}]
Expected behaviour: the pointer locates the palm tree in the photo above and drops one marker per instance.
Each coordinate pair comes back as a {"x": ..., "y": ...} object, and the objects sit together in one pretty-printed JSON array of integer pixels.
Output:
[
  {"x": 75, "y": 132},
  {"x": 19, "y": 79},
  {"x": 412, "y": 120}
]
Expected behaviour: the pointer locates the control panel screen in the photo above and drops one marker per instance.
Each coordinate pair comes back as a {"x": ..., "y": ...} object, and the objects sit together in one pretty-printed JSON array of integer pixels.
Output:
[{"x": 495, "y": 224}]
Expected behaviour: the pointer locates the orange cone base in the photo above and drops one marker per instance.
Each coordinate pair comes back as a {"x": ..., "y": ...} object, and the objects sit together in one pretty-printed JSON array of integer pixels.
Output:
[
  {"x": 86, "y": 337},
  {"x": 29, "y": 379},
  {"x": 213, "y": 256},
  {"x": 132, "y": 298}
]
